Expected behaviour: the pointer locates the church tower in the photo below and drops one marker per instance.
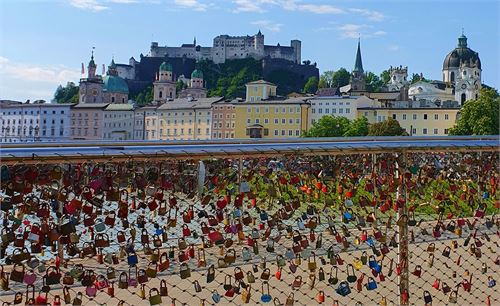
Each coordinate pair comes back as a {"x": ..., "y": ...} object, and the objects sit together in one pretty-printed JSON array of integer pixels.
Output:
[
  {"x": 462, "y": 70},
  {"x": 90, "y": 88},
  {"x": 358, "y": 75},
  {"x": 164, "y": 86}
]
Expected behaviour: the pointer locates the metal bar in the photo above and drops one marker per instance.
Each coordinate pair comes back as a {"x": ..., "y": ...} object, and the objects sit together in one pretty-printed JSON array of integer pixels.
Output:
[{"x": 403, "y": 255}]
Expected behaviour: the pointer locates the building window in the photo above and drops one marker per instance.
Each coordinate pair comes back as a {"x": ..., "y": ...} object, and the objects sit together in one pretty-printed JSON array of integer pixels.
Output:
[
  {"x": 424, "y": 131},
  {"x": 435, "y": 131},
  {"x": 394, "y": 116},
  {"x": 425, "y": 116},
  {"x": 404, "y": 116},
  {"x": 290, "y": 133},
  {"x": 257, "y": 121},
  {"x": 276, "y": 132},
  {"x": 414, "y": 131},
  {"x": 347, "y": 110},
  {"x": 283, "y": 121},
  {"x": 266, "y": 121},
  {"x": 320, "y": 111},
  {"x": 341, "y": 110},
  {"x": 249, "y": 110},
  {"x": 313, "y": 111},
  {"x": 446, "y": 117},
  {"x": 446, "y": 131},
  {"x": 436, "y": 116},
  {"x": 249, "y": 121},
  {"x": 414, "y": 116},
  {"x": 283, "y": 132},
  {"x": 266, "y": 132},
  {"x": 334, "y": 110}
]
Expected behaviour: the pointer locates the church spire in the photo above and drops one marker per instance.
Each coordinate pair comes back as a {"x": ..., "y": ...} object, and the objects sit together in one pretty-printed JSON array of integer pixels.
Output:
[
  {"x": 462, "y": 40},
  {"x": 358, "y": 66}
]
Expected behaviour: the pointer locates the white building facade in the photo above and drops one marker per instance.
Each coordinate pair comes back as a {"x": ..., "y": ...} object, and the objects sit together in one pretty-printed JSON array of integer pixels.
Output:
[
  {"x": 341, "y": 106},
  {"x": 32, "y": 122}
]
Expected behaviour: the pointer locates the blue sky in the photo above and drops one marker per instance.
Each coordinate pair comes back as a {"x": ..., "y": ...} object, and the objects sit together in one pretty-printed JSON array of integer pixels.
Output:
[{"x": 44, "y": 42}]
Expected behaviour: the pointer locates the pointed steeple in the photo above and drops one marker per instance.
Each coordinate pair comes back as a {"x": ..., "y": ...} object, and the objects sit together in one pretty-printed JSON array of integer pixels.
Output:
[{"x": 358, "y": 66}]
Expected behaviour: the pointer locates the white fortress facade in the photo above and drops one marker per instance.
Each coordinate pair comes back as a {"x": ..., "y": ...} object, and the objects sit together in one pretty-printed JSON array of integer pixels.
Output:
[{"x": 227, "y": 47}]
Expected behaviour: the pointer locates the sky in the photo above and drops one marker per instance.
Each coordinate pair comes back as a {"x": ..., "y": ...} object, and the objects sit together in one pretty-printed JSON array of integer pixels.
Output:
[{"x": 44, "y": 42}]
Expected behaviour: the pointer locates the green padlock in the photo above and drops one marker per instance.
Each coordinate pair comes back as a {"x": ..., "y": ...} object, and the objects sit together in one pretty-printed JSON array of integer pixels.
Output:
[{"x": 154, "y": 297}]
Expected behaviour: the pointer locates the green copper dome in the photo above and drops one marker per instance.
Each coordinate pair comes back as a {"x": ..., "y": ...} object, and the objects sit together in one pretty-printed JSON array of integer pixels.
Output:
[
  {"x": 165, "y": 66},
  {"x": 197, "y": 74},
  {"x": 114, "y": 84}
]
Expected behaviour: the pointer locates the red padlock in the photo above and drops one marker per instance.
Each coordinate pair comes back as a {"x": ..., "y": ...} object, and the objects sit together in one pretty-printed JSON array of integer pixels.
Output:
[
  {"x": 436, "y": 284},
  {"x": 111, "y": 289},
  {"x": 278, "y": 274}
]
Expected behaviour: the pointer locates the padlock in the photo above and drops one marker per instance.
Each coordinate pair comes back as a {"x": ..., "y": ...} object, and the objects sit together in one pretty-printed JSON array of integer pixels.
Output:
[
  {"x": 185, "y": 271},
  {"x": 372, "y": 284},
  {"x": 427, "y": 298},
  {"x": 343, "y": 289},
  {"x": 320, "y": 297},
  {"x": 418, "y": 271},
  {"x": 321, "y": 274}
]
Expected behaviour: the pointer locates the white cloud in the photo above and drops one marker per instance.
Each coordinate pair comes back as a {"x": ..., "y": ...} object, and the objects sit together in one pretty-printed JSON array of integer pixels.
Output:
[
  {"x": 54, "y": 75},
  {"x": 123, "y": 1},
  {"x": 292, "y": 5},
  {"x": 191, "y": 4},
  {"x": 89, "y": 5},
  {"x": 21, "y": 81},
  {"x": 268, "y": 25},
  {"x": 258, "y": 6},
  {"x": 393, "y": 48},
  {"x": 350, "y": 30},
  {"x": 248, "y": 6},
  {"x": 371, "y": 15}
]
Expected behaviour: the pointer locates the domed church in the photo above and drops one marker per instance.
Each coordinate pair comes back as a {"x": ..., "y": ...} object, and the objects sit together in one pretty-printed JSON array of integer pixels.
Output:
[{"x": 462, "y": 71}]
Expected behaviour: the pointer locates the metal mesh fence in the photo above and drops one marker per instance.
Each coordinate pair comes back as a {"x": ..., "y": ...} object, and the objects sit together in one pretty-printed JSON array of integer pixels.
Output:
[{"x": 286, "y": 231}]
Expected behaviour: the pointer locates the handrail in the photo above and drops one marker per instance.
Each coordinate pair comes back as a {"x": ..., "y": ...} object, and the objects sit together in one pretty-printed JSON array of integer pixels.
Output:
[{"x": 201, "y": 150}]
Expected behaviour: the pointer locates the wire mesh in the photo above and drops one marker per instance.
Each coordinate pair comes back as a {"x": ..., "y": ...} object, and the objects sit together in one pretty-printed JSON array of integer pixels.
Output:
[{"x": 314, "y": 229}]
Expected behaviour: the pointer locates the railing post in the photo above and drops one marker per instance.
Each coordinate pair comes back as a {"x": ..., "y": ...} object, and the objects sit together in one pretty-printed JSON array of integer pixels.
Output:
[{"x": 403, "y": 254}]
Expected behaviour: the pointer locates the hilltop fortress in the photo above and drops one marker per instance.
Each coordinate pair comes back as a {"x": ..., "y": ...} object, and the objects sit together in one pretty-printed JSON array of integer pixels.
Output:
[{"x": 227, "y": 47}]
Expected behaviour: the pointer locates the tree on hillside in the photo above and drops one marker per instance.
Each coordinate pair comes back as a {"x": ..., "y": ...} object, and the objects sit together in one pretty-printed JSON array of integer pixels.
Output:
[
  {"x": 389, "y": 127},
  {"x": 340, "y": 78},
  {"x": 415, "y": 77},
  {"x": 385, "y": 76},
  {"x": 325, "y": 80},
  {"x": 479, "y": 116},
  {"x": 144, "y": 97},
  {"x": 67, "y": 94},
  {"x": 357, "y": 127},
  {"x": 373, "y": 82},
  {"x": 311, "y": 85}
]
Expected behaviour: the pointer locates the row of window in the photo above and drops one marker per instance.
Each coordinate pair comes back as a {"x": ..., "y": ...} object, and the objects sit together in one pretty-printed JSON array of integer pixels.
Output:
[
  {"x": 85, "y": 115},
  {"x": 415, "y": 116},
  {"x": 175, "y": 132},
  {"x": 328, "y": 103},
  {"x": 30, "y": 132},
  {"x": 30, "y": 113},
  {"x": 222, "y": 107},
  {"x": 276, "y": 110},
  {"x": 4, "y": 122},
  {"x": 279, "y": 132},
  {"x": 117, "y": 116},
  {"x": 221, "y": 116},
  {"x": 219, "y": 125},
  {"x": 276, "y": 121},
  {"x": 333, "y": 110},
  {"x": 220, "y": 135},
  {"x": 425, "y": 131},
  {"x": 85, "y": 132}
]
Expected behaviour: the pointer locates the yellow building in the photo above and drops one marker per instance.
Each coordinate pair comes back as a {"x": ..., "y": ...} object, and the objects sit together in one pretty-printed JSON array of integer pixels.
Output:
[
  {"x": 271, "y": 119},
  {"x": 260, "y": 90},
  {"x": 417, "y": 121}
]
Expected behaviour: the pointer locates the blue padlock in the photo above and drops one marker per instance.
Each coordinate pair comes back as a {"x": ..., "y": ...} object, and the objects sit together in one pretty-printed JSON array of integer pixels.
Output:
[
  {"x": 132, "y": 259},
  {"x": 263, "y": 216},
  {"x": 486, "y": 195},
  {"x": 372, "y": 262},
  {"x": 237, "y": 213},
  {"x": 372, "y": 284},
  {"x": 216, "y": 297},
  {"x": 491, "y": 282},
  {"x": 343, "y": 289},
  {"x": 347, "y": 215},
  {"x": 159, "y": 231}
]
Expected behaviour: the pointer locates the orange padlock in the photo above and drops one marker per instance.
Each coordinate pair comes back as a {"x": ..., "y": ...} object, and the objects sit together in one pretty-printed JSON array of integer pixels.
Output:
[{"x": 320, "y": 297}]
